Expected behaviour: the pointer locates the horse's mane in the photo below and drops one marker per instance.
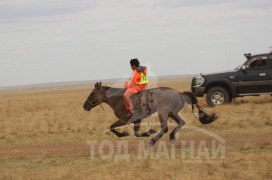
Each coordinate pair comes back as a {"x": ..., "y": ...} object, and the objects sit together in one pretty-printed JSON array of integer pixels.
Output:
[{"x": 108, "y": 87}]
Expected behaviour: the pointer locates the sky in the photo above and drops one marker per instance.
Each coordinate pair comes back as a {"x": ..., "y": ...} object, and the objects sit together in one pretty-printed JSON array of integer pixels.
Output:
[{"x": 66, "y": 40}]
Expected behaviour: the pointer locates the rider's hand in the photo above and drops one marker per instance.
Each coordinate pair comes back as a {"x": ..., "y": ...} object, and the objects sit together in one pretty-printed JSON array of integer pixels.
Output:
[{"x": 126, "y": 84}]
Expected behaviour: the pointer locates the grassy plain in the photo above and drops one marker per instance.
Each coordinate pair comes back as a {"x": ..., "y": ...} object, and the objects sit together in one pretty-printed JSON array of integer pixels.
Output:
[{"x": 37, "y": 118}]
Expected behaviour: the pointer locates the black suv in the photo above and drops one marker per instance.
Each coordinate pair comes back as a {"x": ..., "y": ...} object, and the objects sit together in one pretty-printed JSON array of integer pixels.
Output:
[{"x": 252, "y": 78}]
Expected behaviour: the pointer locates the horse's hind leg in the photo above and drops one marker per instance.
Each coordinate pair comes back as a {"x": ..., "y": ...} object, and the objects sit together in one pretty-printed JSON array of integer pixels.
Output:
[
  {"x": 137, "y": 125},
  {"x": 164, "y": 129},
  {"x": 119, "y": 123},
  {"x": 180, "y": 123}
]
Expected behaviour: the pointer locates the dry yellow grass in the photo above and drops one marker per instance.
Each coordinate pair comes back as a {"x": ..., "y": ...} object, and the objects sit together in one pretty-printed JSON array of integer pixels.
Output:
[{"x": 48, "y": 116}]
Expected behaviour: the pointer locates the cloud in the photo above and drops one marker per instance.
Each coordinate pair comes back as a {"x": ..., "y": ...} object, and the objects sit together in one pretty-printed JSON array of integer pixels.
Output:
[
  {"x": 77, "y": 37},
  {"x": 186, "y": 3},
  {"x": 249, "y": 4},
  {"x": 255, "y": 4},
  {"x": 34, "y": 8}
]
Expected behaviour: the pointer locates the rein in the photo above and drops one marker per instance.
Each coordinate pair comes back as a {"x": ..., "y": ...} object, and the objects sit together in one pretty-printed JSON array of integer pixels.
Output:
[
  {"x": 103, "y": 100},
  {"x": 93, "y": 105}
]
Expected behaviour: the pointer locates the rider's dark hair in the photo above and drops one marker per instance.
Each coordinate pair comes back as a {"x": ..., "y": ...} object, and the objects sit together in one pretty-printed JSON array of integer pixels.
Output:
[{"x": 135, "y": 62}]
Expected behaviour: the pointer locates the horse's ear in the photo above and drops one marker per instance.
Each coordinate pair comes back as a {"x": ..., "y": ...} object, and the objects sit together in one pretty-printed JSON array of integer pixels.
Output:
[{"x": 96, "y": 85}]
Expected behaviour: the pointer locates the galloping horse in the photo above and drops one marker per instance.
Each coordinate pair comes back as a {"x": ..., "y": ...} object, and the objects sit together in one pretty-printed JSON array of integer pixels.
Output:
[{"x": 166, "y": 101}]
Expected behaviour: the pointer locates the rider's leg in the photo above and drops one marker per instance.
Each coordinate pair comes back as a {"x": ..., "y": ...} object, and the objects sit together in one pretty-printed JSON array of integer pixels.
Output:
[
  {"x": 127, "y": 100},
  {"x": 128, "y": 103}
]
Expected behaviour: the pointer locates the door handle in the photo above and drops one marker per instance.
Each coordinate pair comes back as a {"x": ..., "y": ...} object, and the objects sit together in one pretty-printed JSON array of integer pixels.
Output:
[{"x": 262, "y": 74}]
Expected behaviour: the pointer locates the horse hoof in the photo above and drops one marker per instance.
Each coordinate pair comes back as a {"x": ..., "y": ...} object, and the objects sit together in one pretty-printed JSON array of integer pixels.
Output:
[
  {"x": 152, "y": 131},
  {"x": 150, "y": 144},
  {"x": 125, "y": 134}
]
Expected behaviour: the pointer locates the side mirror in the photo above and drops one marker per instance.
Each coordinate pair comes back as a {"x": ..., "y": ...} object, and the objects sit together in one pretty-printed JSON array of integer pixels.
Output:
[{"x": 244, "y": 68}]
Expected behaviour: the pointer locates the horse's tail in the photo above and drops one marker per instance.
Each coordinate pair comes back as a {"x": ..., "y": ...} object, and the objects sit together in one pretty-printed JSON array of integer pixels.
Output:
[{"x": 203, "y": 116}]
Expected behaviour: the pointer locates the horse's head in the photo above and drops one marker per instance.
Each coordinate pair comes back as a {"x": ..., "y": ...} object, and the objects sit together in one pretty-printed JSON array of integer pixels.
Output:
[{"x": 97, "y": 96}]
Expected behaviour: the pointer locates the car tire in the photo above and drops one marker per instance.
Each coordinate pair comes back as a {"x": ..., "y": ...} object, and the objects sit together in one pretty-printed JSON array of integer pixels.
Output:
[{"x": 217, "y": 96}]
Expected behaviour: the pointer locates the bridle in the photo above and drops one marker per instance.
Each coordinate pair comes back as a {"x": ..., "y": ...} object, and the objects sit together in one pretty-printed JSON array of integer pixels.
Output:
[{"x": 92, "y": 104}]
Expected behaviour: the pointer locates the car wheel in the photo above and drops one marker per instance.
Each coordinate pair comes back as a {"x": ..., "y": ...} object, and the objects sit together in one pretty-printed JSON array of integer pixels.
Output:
[{"x": 217, "y": 96}]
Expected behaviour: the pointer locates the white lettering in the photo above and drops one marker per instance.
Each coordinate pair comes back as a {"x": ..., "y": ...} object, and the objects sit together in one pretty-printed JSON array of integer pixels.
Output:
[
  {"x": 102, "y": 145},
  {"x": 119, "y": 155}
]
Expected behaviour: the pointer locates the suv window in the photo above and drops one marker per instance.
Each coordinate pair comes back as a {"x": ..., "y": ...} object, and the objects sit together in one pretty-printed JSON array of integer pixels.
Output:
[
  {"x": 258, "y": 63},
  {"x": 270, "y": 60}
]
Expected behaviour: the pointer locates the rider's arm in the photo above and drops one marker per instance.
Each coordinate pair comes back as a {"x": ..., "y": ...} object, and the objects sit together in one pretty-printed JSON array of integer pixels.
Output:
[{"x": 133, "y": 80}]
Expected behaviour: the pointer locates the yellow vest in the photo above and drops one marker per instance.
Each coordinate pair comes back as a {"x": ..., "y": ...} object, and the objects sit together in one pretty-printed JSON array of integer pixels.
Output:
[{"x": 144, "y": 79}]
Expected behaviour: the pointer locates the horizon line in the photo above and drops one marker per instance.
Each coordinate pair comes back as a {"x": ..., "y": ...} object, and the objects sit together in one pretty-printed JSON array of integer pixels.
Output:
[{"x": 79, "y": 82}]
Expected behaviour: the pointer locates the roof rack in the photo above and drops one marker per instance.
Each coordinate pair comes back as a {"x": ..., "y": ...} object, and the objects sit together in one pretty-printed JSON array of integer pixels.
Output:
[{"x": 248, "y": 56}]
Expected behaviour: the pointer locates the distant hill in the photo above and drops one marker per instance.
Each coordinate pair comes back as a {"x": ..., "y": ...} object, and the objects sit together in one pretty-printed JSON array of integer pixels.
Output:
[{"x": 84, "y": 82}]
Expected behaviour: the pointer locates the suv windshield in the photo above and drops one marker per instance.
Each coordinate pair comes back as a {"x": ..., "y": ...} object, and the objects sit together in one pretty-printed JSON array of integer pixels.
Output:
[
  {"x": 238, "y": 67},
  {"x": 258, "y": 62}
]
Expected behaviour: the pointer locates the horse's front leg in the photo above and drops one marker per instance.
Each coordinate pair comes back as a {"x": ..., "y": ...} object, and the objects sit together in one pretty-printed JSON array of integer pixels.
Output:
[
  {"x": 137, "y": 125},
  {"x": 119, "y": 123}
]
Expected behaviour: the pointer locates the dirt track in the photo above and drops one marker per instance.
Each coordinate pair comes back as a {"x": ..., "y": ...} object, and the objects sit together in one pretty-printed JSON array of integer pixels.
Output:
[{"x": 83, "y": 148}]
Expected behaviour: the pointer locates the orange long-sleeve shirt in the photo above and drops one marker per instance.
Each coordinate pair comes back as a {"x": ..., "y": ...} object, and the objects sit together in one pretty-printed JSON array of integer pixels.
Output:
[{"x": 136, "y": 78}]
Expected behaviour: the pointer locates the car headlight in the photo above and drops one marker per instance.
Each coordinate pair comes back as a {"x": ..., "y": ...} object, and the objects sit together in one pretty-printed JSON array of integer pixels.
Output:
[{"x": 198, "y": 81}]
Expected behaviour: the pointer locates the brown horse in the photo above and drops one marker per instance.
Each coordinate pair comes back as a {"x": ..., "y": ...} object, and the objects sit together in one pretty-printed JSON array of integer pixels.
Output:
[{"x": 166, "y": 101}]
